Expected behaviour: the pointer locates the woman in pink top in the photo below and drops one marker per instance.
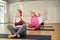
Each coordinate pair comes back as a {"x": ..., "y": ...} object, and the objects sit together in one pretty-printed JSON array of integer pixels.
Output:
[{"x": 34, "y": 21}]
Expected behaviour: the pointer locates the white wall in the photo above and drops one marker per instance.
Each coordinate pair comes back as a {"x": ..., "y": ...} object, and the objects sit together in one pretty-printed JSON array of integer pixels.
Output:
[
  {"x": 47, "y": 8},
  {"x": 59, "y": 12}
]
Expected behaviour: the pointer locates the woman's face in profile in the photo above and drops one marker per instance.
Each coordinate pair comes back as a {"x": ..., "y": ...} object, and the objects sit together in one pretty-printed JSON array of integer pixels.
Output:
[
  {"x": 17, "y": 13},
  {"x": 33, "y": 14}
]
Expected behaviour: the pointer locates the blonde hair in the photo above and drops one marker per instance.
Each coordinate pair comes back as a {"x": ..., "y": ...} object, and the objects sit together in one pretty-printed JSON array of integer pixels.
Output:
[{"x": 34, "y": 12}]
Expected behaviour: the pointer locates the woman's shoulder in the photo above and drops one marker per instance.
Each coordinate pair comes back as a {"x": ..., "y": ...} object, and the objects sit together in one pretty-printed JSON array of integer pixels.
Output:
[
  {"x": 14, "y": 19},
  {"x": 36, "y": 17}
]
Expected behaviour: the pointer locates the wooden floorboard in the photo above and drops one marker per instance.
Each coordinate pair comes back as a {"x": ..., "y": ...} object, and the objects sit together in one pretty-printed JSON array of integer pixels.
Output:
[{"x": 55, "y": 34}]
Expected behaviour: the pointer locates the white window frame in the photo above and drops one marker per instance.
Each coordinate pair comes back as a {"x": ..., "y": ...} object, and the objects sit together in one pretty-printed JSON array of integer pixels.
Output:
[{"x": 3, "y": 5}]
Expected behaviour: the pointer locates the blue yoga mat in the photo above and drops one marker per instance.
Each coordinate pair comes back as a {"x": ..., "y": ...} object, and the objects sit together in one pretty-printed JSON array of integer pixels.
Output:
[{"x": 36, "y": 37}]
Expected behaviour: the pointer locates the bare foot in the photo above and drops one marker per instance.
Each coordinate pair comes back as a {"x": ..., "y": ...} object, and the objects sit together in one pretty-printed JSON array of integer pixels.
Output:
[
  {"x": 11, "y": 36},
  {"x": 18, "y": 35}
]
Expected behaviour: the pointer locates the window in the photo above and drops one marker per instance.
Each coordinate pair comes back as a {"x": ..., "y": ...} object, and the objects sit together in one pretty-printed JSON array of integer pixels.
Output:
[
  {"x": 2, "y": 11},
  {"x": 1, "y": 14}
]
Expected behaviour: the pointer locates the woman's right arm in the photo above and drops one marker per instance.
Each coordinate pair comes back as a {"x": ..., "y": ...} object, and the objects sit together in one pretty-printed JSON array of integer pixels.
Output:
[{"x": 21, "y": 8}]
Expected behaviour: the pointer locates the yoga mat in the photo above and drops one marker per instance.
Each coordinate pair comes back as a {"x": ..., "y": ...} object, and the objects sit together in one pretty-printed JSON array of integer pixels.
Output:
[
  {"x": 36, "y": 37},
  {"x": 44, "y": 28},
  {"x": 48, "y": 26}
]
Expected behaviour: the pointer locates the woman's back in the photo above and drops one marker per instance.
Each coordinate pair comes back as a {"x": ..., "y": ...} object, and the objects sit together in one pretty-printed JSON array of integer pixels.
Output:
[{"x": 34, "y": 21}]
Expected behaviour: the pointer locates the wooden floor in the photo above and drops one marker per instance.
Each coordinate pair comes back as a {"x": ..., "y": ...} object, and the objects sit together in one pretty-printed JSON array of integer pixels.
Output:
[{"x": 55, "y": 34}]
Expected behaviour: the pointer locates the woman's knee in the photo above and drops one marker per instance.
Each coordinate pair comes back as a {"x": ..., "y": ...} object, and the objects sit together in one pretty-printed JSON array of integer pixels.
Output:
[
  {"x": 24, "y": 25},
  {"x": 9, "y": 26}
]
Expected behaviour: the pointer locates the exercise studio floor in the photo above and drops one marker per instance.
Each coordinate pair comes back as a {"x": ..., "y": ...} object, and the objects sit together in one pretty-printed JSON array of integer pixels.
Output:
[{"x": 55, "y": 34}]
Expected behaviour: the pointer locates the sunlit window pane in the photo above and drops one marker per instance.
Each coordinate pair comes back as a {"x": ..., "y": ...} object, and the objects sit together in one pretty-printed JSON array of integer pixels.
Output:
[{"x": 2, "y": 11}]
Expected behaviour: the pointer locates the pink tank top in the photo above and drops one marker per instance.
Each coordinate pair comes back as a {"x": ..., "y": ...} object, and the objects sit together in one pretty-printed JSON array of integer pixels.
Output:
[{"x": 34, "y": 21}]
